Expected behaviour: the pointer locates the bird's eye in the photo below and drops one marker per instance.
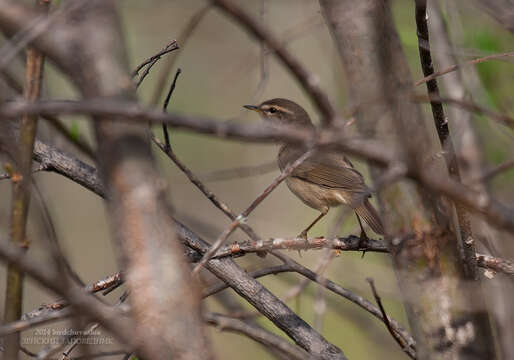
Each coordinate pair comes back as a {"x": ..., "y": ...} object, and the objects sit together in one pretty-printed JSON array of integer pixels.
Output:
[{"x": 272, "y": 110}]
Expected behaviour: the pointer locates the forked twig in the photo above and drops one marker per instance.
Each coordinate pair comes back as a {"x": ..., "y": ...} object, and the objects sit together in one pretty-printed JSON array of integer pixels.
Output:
[{"x": 150, "y": 62}]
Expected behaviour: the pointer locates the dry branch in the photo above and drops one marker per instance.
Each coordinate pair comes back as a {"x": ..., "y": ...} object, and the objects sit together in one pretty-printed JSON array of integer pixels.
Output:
[
  {"x": 266, "y": 338},
  {"x": 395, "y": 336}
]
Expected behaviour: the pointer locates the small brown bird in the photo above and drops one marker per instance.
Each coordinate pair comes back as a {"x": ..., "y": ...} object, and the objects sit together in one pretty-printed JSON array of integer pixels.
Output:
[{"x": 324, "y": 180}]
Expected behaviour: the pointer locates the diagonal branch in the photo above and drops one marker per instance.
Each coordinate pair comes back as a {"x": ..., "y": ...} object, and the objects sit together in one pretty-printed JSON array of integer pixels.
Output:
[
  {"x": 387, "y": 322},
  {"x": 266, "y": 338},
  {"x": 244, "y": 215},
  {"x": 456, "y": 67}
]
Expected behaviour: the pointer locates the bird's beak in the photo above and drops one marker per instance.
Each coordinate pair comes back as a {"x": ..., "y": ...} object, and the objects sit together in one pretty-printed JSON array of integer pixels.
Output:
[{"x": 251, "y": 107}]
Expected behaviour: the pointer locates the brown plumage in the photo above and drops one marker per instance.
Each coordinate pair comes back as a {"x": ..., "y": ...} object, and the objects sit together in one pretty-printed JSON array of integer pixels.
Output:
[{"x": 324, "y": 180}]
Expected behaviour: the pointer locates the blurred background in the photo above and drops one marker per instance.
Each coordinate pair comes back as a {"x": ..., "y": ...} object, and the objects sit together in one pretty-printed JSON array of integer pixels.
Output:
[{"x": 224, "y": 68}]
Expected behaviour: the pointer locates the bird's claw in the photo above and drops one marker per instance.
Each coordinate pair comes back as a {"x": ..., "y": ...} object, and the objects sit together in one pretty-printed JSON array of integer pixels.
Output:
[{"x": 303, "y": 236}]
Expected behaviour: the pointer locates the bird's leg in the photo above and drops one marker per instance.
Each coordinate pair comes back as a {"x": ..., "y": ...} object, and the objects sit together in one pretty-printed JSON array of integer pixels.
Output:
[
  {"x": 363, "y": 242},
  {"x": 303, "y": 234}
]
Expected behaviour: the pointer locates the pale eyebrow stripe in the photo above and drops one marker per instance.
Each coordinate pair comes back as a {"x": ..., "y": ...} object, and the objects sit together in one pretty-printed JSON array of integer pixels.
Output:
[{"x": 280, "y": 108}]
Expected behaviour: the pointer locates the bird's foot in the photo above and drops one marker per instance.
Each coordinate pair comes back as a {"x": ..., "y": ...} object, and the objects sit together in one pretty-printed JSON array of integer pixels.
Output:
[{"x": 303, "y": 236}]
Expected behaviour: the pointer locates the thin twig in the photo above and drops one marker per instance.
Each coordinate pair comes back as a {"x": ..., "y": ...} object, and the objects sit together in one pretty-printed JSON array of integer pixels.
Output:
[
  {"x": 262, "y": 336},
  {"x": 491, "y": 173},
  {"x": 470, "y": 106},
  {"x": 457, "y": 66},
  {"x": 167, "y": 144},
  {"x": 172, "y": 45},
  {"x": 393, "y": 333},
  {"x": 150, "y": 62},
  {"x": 244, "y": 215},
  {"x": 85, "y": 303}
]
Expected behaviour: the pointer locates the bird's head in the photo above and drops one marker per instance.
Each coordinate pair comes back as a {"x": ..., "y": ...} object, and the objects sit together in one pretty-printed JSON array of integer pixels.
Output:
[{"x": 282, "y": 111}]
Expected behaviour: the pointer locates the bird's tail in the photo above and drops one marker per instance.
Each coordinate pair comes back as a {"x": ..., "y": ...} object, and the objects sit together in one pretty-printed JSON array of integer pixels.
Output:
[{"x": 367, "y": 212}]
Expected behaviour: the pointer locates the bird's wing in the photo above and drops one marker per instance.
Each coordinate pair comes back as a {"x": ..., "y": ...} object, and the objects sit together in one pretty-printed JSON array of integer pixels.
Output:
[{"x": 328, "y": 169}]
